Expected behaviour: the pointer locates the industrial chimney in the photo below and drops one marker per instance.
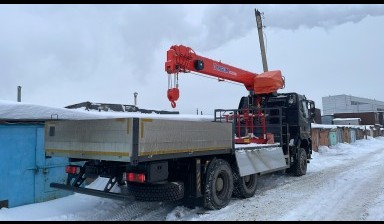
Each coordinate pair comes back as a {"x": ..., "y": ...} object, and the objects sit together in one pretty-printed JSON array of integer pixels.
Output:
[
  {"x": 18, "y": 93},
  {"x": 135, "y": 95}
]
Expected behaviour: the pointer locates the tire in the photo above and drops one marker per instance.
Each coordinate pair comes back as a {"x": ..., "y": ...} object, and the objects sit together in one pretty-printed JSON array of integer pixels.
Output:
[
  {"x": 300, "y": 166},
  {"x": 218, "y": 185},
  {"x": 244, "y": 187},
  {"x": 170, "y": 191}
]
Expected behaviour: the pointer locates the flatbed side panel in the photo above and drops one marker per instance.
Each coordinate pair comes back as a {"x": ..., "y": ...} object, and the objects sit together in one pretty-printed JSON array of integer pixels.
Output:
[
  {"x": 250, "y": 161},
  {"x": 104, "y": 139},
  {"x": 159, "y": 137}
]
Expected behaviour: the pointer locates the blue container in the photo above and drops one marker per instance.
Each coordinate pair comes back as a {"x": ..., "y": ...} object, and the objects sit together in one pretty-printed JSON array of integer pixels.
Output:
[{"x": 25, "y": 171}]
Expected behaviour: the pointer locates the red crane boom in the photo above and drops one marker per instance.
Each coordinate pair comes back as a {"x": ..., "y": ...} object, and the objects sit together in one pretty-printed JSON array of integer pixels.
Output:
[{"x": 183, "y": 59}]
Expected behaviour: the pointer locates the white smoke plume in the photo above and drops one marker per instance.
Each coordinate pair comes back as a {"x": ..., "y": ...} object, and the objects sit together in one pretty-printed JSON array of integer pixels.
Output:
[
  {"x": 47, "y": 47},
  {"x": 222, "y": 23}
]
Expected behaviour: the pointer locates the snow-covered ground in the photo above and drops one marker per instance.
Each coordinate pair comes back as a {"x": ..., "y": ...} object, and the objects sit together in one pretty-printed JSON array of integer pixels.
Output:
[{"x": 343, "y": 182}]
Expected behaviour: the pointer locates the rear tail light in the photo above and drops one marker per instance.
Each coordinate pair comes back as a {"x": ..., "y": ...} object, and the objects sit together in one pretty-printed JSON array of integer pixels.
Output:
[
  {"x": 134, "y": 177},
  {"x": 72, "y": 169}
]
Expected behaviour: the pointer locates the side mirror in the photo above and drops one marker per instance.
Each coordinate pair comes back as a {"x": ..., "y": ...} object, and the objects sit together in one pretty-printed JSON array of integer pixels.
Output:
[{"x": 311, "y": 108}]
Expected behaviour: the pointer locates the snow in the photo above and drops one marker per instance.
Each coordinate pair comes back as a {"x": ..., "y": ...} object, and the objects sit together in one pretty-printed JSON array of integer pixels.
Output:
[
  {"x": 343, "y": 182},
  {"x": 333, "y": 126},
  {"x": 254, "y": 145},
  {"x": 345, "y": 119},
  {"x": 10, "y": 110}
]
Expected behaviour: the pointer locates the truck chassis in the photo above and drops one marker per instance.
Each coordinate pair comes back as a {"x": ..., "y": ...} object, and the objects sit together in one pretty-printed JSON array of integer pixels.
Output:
[{"x": 201, "y": 178}]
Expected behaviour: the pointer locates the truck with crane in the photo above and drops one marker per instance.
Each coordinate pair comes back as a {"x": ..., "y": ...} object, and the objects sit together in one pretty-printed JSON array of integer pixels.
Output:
[{"x": 205, "y": 163}]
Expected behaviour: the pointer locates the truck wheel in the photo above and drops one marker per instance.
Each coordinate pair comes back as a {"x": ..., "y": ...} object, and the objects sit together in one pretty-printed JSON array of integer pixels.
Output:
[
  {"x": 170, "y": 191},
  {"x": 300, "y": 167},
  {"x": 218, "y": 185},
  {"x": 245, "y": 187}
]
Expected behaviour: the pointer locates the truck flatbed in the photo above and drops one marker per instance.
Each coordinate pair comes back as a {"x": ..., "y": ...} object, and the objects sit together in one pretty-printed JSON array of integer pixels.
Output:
[{"x": 136, "y": 139}]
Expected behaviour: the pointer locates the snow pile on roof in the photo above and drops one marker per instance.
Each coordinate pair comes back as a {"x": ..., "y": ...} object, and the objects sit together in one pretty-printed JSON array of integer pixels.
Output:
[
  {"x": 345, "y": 119},
  {"x": 184, "y": 117},
  {"x": 10, "y": 110},
  {"x": 334, "y": 126},
  {"x": 23, "y": 111}
]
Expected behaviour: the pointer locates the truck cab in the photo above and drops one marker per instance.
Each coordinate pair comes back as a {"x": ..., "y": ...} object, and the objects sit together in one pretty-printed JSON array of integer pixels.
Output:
[{"x": 297, "y": 113}]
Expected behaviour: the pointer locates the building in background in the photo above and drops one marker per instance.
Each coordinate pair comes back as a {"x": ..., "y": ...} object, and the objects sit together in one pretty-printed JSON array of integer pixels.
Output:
[
  {"x": 350, "y": 104},
  {"x": 347, "y": 121},
  {"x": 366, "y": 118},
  {"x": 327, "y": 119}
]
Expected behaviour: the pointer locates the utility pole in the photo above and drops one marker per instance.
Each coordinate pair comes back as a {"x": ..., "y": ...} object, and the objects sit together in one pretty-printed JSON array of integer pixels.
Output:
[{"x": 261, "y": 39}]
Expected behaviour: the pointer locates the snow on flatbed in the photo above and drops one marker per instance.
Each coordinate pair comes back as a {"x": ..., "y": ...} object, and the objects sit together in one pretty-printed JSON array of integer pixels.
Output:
[{"x": 255, "y": 145}]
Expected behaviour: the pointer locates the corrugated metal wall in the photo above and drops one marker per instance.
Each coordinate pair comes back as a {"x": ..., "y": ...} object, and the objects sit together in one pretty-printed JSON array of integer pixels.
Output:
[
  {"x": 350, "y": 104},
  {"x": 329, "y": 137},
  {"x": 25, "y": 171}
]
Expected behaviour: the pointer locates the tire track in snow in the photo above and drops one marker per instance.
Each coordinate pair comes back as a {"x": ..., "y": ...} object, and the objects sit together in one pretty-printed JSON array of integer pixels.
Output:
[
  {"x": 302, "y": 198},
  {"x": 354, "y": 188},
  {"x": 133, "y": 211},
  {"x": 142, "y": 211},
  {"x": 298, "y": 198}
]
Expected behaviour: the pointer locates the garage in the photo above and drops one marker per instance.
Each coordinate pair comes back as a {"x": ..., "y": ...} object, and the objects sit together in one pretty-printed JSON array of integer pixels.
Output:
[{"x": 25, "y": 170}]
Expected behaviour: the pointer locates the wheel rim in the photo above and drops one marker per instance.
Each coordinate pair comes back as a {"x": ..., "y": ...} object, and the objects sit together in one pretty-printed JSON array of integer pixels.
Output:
[
  {"x": 249, "y": 181},
  {"x": 221, "y": 185}
]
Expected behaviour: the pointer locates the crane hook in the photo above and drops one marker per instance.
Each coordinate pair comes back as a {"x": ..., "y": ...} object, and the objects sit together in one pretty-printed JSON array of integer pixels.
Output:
[{"x": 173, "y": 95}]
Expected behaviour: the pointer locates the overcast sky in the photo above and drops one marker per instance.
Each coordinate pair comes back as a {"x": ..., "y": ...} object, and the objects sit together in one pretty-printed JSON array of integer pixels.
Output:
[{"x": 67, "y": 54}]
